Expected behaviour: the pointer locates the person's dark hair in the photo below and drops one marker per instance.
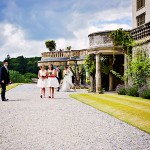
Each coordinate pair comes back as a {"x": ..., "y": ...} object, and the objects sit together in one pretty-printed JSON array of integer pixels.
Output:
[
  {"x": 42, "y": 66},
  {"x": 66, "y": 67},
  {"x": 58, "y": 66},
  {"x": 52, "y": 67},
  {"x": 5, "y": 61}
]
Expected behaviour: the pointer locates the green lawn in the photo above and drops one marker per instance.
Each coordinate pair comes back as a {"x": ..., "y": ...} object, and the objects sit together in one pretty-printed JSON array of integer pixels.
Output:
[
  {"x": 132, "y": 110},
  {"x": 9, "y": 87}
]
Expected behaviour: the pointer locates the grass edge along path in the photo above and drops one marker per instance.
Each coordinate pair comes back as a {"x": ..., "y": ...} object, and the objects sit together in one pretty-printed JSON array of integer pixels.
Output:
[
  {"x": 113, "y": 105},
  {"x": 9, "y": 87}
]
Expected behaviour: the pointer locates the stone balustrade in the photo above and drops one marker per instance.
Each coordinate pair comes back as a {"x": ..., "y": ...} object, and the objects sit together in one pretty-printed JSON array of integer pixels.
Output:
[
  {"x": 141, "y": 32},
  {"x": 64, "y": 54}
]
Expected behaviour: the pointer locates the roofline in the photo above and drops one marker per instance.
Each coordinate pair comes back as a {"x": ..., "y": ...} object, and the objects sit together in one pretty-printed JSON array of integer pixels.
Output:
[{"x": 106, "y": 31}]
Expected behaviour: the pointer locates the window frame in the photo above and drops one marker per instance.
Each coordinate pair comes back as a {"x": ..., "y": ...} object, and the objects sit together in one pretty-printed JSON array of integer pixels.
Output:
[
  {"x": 140, "y": 4},
  {"x": 140, "y": 21}
]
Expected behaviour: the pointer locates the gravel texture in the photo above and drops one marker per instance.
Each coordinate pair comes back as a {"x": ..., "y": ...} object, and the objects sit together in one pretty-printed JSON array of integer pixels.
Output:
[{"x": 28, "y": 122}]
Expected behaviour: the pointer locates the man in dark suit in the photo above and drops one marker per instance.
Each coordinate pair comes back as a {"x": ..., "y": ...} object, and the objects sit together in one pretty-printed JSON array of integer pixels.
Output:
[
  {"x": 4, "y": 79},
  {"x": 59, "y": 75}
]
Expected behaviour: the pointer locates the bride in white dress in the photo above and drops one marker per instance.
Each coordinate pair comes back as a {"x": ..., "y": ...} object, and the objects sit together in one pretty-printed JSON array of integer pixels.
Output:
[{"x": 67, "y": 81}]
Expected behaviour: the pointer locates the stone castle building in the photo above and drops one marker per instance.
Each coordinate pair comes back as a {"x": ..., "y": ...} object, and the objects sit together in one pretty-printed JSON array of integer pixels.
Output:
[
  {"x": 101, "y": 45},
  {"x": 141, "y": 22},
  {"x": 140, "y": 12}
]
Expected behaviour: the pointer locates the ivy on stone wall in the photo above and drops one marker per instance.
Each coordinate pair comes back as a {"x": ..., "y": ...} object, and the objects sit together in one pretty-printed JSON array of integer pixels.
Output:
[
  {"x": 139, "y": 68},
  {"x": 90, "y": 64},
  {"x": 122, "y": 39}
]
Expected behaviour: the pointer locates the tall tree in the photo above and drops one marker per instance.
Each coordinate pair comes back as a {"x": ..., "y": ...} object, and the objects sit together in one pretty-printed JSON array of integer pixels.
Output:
[
  {"x": 50, "y": 44},
  {"x": 68, "y": 48}
]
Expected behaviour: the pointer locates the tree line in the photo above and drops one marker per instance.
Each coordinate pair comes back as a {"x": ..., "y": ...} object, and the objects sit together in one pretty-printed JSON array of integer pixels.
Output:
[{"x": 23, "y": 69}]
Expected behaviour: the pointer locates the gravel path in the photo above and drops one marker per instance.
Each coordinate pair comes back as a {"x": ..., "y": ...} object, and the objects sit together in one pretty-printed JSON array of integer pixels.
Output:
[{"x": 28, "y": 122}]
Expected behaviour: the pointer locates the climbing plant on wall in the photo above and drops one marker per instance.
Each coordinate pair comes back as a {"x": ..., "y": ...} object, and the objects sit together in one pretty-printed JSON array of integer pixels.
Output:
[
  {"x": 90, "y": 64},
  {"x": 122, "y": 39},
  {"x": 139, "y": 68}
]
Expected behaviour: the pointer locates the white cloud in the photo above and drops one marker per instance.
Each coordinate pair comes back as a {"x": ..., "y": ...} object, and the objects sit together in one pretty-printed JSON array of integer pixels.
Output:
[
  {"x": 16, "y": 44},
  {"x": 113, "y": 26},
  {"x": 76, "y": 43},
  {"x": 83, "y": 24},
  {"x": 83, "y": 20},
  {"x": 112, "y": 14},
  {"x": 14, "y": 41},
  {"x": 81, "y": 36}
]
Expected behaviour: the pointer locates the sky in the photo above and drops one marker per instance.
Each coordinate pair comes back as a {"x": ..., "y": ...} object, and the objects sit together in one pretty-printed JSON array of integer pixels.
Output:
[{"x": 25, "y": 25}]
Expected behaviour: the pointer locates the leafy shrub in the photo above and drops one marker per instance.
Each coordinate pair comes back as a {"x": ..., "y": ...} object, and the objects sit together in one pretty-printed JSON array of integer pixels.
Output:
[
  {"x": 16, "y": 77},
  {"x": 132, "y": 91},
  {"x": 30, "y": 75},
  {"x": 144, "y": 92},
  {"x": 88, "y": 82},
  {"x": 139, "y": 68},
  {"x": 142, "y": 89},
  {"x": 28, "y": 80},
  {"x": 120, "y": 89}
]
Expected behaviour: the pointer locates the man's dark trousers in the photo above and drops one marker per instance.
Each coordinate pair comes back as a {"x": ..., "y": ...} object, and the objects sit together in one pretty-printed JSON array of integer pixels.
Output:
[
  {"x": 3, "y": 86},
  {"x": 4, "y": 80},
  {"x": 59, "y": 83}
]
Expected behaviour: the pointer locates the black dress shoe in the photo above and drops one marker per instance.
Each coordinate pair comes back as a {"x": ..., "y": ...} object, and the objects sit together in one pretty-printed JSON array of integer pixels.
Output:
[
  {"x": 4, "y": 99},
  {"x": 41, "y": 96}
]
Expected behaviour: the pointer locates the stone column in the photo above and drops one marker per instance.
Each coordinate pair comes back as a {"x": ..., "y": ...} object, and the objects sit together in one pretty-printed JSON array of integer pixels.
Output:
[
  {"x": 98, "y": 74},
  {"x": 110, "y": 74},
  {"x": 125, "y": 68},
  {"x": 91, "y": 84}
]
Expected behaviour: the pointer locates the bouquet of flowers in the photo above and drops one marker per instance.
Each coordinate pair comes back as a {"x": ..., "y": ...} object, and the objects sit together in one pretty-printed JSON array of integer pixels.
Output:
[{"x": 50, "y": 73}]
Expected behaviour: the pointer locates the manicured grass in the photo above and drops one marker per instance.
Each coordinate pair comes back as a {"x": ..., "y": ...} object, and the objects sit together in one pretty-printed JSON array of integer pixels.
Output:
[
  {"x": 132, "y": 110},
  {"x": 9, "y": 87}
]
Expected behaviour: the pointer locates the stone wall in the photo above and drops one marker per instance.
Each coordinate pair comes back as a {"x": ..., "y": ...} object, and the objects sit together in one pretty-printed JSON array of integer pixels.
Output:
[
  {"x": 100, "y": 39},
  {"x": 145, "y": 45}
]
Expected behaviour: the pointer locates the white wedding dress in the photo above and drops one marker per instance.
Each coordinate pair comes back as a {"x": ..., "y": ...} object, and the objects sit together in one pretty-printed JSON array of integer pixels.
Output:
[{"x": 67, "y": 81}]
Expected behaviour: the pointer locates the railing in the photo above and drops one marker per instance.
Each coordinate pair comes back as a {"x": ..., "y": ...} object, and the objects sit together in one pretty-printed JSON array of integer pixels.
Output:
[
  {"x": 56, "y": 54},
  {"x": 64, "y": 54},
  {"x": 141, "y": 32}
]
